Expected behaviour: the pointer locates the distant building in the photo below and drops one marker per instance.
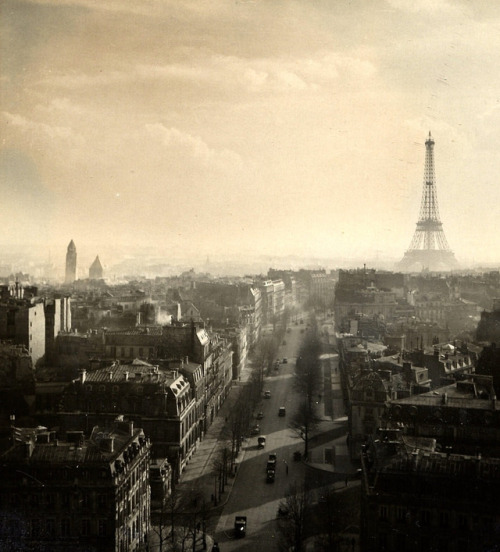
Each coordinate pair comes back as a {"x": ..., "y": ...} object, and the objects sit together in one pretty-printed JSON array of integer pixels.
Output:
[
  {"x": 22, "y": 320},
  {"x": 95, "y": 270},
  {"x": 70, "y": 263},
  {"x": 65, "y": 492}
]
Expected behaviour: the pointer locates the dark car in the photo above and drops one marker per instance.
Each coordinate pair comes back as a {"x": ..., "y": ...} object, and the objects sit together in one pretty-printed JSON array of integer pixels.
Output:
[
  {"x": 282, "y": 411},
  {"x": 285, "y": 361}
]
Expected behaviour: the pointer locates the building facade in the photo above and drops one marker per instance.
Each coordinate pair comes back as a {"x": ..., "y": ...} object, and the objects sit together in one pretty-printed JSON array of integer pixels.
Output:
[{"x": 68, "y": 492}]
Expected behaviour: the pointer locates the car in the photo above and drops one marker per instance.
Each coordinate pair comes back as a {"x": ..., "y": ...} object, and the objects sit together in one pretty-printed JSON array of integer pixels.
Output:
[
  {"x": 267, "y": 394},
  {"x": 285, "y": 361},
  {"x": 283, "y": 510},
  {"x": 255, "y": 430},
  {"x": 260, "y": 415},
  {"x": 282, "y": 411}
]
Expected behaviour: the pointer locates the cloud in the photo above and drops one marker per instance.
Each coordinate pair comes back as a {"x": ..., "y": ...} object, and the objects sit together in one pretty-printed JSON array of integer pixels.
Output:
[
  {"x": 427, "y": 6},
  {"x": 193, "y": 147},
  {"x": 36, "y": 128}
]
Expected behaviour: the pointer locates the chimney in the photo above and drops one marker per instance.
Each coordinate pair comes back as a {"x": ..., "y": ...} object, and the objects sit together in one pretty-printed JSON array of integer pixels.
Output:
[
  {"x": 187, "y": 360},
  {"x": 108, "y": 444},
  {"x": 125, "y": 376},
  {"x": 110, "y": 375},
  {"x": 414, "y": 459},
  {"x": 83, "y": 376},
  {"x": 28, "y": 448}
]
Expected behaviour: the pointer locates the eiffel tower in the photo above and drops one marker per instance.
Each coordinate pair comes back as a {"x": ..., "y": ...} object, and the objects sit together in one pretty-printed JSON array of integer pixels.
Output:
[{"x": 428, "y": 249}]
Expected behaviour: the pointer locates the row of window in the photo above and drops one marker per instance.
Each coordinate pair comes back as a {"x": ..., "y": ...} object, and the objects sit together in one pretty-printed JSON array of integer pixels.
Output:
[
  {"x": 52, "y": 528},
  {"x": 428, "y": 518},
  {"x": 55, "y": 501}
]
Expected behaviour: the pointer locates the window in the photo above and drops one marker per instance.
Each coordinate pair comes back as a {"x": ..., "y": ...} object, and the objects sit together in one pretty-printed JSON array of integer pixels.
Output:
[
  {"x": 102, "y": 528},
  {"x": 462, "y": 521},
  {"x": 401, "y": 514},
  {"x": 86, "y": 527},
  {"x": 85, "y": 500},
  {"x": 65, "y": 527},
  {"x": 51, "y": 528},
  {"x": 425, "y": 517},
  {"x": 35, "y": 528},
  {"x": 444, "y": 519}
]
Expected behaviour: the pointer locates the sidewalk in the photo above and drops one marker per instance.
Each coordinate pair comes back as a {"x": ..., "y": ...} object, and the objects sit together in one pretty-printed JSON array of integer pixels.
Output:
[
  {"x": 329, "y": 451},
  {"x": 198, "y": 474}
]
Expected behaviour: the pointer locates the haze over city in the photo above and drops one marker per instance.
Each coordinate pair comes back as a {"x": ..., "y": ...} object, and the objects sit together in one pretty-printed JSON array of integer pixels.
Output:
[{"x": 247, "y": 128}]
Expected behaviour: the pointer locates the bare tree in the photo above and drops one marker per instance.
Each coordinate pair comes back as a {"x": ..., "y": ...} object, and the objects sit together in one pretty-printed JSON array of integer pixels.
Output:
[
  {"x": 292, "y": 525},
  {"x": 166, "y": 521},
  {"x": 304, "y": 422},
  {"x": 308, "y": 371},
  {"x": 265, "y": 354},
  {"x": 337, "y": 511},
  {"x": 221, "y": 463},
  {"x": 308, "y": 382}
]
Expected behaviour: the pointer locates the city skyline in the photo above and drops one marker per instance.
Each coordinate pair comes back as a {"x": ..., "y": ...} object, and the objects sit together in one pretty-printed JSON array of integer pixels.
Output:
[{"x": 246, "y": 128}]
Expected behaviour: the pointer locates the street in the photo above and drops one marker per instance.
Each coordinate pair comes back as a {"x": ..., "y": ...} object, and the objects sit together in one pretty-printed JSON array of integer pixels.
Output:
[{"x": 252, "y": 496}]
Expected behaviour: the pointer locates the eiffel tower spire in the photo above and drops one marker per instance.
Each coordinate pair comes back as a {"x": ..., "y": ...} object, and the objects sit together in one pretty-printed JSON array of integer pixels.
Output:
[{"x": 429, "y": 248}]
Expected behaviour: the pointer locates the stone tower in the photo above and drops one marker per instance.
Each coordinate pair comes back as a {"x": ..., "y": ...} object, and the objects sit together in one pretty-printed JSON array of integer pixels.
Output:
[
  {"x": 95, "y": 270},
  {"x": 70, "y": 263}
]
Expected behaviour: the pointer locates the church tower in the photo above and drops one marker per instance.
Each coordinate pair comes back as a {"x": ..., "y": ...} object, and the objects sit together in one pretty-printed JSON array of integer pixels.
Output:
[
  {"x": 95, "y": 270},
  {"x": 70, "y": 263}
]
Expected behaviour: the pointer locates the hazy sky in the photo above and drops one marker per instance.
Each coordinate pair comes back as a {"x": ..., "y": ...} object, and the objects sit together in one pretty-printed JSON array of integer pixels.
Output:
[{"x": 283, "y": 127}]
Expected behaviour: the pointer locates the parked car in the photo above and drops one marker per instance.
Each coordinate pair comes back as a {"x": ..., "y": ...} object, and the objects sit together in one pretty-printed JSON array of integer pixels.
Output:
[
  {"x": 240, "y": 526},
  {"x": 261, "y": 441},
  {"x": 283, "y": 511},
  {"x": 282, "y": 411},
  {"x": 267, "y": 394},
  {"x": 285, "y": 361},
  {"x": 260, "y": 415},
  {"x": 255, "y": 430}
]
